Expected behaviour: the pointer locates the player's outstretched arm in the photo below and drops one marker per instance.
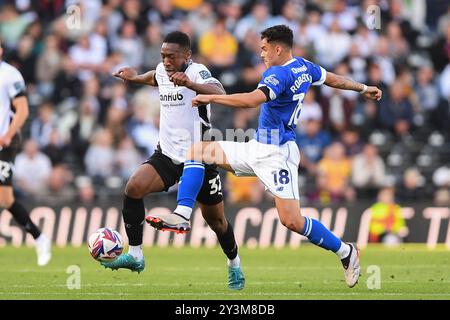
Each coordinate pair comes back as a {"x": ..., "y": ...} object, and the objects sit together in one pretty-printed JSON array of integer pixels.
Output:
[
  {"x": 238, "y": 100},
  {"x": 181, "y": 79},
  {"x": 20, "y": 104},
  {"x": 340, "y": 82},
  {"x": 131, "y": 75}
]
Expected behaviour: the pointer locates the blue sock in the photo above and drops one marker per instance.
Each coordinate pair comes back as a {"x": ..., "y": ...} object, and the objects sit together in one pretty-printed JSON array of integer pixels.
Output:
[
  {"x": 321, "y": 236},
  {"x": 190, "y": 184}
]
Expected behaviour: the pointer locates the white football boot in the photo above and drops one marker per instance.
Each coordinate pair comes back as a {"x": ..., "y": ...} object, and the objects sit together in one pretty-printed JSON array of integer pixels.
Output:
[
  {"x": 352, "y": 270},
  {"x": 43, "y": 250},
  {"x": 169, "y": 222}
]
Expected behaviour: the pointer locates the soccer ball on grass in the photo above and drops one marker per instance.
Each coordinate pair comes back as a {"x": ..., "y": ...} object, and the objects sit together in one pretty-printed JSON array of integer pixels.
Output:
[{"x": 105, "y": 245}]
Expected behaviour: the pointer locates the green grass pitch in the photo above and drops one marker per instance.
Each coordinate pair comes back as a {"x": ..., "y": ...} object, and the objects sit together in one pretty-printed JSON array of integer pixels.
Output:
[{"x": 406, "y": 272}]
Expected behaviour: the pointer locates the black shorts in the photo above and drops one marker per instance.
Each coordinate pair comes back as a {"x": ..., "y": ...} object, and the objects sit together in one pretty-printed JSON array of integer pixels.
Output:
[
  {"x": 7, "y": 157},
  {"x": 170, "y": 173}
]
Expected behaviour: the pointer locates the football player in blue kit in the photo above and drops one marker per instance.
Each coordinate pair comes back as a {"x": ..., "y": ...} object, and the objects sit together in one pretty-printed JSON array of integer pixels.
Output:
[{"x": 272, "y": 155}]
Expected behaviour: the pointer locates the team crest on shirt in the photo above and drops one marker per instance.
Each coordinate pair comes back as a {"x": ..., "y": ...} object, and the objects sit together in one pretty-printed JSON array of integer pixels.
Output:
[
  {"x": 205, "y": 74},
  {"x": 271, "y": 79},
  {"x": 18, "y": 86}
]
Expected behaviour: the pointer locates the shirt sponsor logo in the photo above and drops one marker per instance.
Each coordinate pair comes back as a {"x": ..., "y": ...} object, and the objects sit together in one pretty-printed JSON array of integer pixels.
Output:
[
  {"x": 205, "y": 74},
  {"x": 171, "y": 97},
  {"x": 271, "y": 79},
  {"x": 298, "y": 70}
]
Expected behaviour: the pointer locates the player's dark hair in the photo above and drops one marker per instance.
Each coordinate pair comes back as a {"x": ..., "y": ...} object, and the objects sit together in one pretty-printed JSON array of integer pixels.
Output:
[
  {"x": 178, "y": 37},
  {"x": 281, "y": 33}
]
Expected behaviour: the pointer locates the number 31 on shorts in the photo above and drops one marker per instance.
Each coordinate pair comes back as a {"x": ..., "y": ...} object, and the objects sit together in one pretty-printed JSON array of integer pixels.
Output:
[{"x": 216, "y": 186}]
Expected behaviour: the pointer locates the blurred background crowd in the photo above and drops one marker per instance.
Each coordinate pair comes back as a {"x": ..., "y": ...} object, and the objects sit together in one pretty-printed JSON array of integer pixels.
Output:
[{"x": 88, "y": 131}]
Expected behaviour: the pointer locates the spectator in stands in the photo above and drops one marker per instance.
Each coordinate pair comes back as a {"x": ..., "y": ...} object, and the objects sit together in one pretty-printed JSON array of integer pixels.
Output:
[
  {"x": 232, "y": 11},
  {"x": 333, "y": 46},
  {"x": 440, "y": 52},
  {"x": 59, "y": 190},
  {"x": 219, "y": 47},
  {"x": 82, "y": 55},
  {"x": 163, "y": 13},
  {"x": 314, "y": 29},
  {"x": 127, "y": 158},
  {"x": 441, "y": 179},
  {"x": 129, "y": 45},
  {"x": 365, "y": 40},
  {"x": 426, "y": 89},
  {"x": 444, "y": 21},
  {"x": 152, "y": 46},
  {"x": 24, "y": 58},
  {"x": 32, "y": 169},
  {"x": 398, "y": 46},
  {"x": 83, "y": 129},
  {"x": 249, "y": 62},
  {"x": 48, "y": 66},
  {"x": 143, "y": 130},
  {"x": 99, "y": 159},
  {"x": 202, "y": 19},
  {"x": 384, "y": 60},
  {"x": 243, "y": 190},
  {"x": 340, "y": 13},
  {"x": 396, "y": 112},
  {"x": 86, "y": 194},
  {"x": 351, "y": 140},
  {"x": 257, "y": 20},
  {"x": 290, "y": 15},
  {"x": 334, "y": 175},
  {"x": 134, "y": 11},
  {"x": 368, "y": 172},
  {"x": 312, "y": 142},
  {"x": 411, "y": 186},
  {"x": 43, "y": 124},
  {"x": 387, "y": 224},
  {"x": 13, "y": 25},
  {"x": 56, "y": 148},
  {"x": 337, "y": 105}
]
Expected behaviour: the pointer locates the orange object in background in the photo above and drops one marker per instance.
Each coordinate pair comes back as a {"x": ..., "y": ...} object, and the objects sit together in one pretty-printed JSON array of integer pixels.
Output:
[
  {"x": 187, "y": 5},
  {"x": 243, "y": 189}
]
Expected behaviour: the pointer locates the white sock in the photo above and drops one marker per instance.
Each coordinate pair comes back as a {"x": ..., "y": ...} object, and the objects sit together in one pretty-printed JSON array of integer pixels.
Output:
[
  {"x": 343, "y": 251},
  {"x": 236, "y": 262},
  {"x": 136, "y": 252},
  {"x": 184, "y": 211},
  {"x": 41, "y": 238}
]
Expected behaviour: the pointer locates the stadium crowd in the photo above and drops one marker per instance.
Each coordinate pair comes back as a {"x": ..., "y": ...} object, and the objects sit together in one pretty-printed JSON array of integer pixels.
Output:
[{"x": 88, "y": 131}]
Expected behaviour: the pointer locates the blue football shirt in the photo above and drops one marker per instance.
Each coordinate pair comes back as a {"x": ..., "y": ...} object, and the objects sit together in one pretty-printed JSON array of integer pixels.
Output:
[{"x": 285, "y": 87}]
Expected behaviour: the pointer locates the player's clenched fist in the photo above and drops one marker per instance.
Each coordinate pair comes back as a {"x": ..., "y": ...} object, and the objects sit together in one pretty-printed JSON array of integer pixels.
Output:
[
  {"x": 5, "y": 141},
  {"x": 373, "y": 93},
  {"x": 126, "y": 74},
  {"x": 201, "y": 100},
  {"x": 180, "y": 79}
]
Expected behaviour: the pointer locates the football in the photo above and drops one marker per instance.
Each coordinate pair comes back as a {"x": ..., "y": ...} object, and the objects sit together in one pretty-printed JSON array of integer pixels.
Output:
[{"x": 105, "y": 245}]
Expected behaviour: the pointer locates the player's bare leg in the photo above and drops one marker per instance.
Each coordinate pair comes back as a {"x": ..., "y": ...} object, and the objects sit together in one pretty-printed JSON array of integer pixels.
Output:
[
  {"x": 215, "y": 217},
  {"x": 21, "y": 215},
  {"x": 143, "y": 182},
  {"x": 205, "y": 152},
  {"x": 290, "y": 216}
]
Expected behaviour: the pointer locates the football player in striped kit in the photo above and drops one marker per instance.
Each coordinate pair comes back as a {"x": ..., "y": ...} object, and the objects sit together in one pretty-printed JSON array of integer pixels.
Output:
[{"x": 13, "y": 114}]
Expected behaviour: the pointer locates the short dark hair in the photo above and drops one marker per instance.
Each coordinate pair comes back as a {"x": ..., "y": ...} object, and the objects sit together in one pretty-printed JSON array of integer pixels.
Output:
[
  {"x": 279, "y": 33},
  {"x": 178, "y": 37}
]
